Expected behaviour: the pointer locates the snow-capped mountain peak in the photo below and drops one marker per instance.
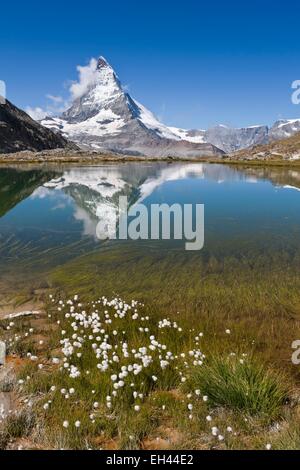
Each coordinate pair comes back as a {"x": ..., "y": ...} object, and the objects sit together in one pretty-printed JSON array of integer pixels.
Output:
[
  {"x": 284, "y": 128},
  {"x": 104, "y": 87},
  {"x": 105, "y": 117},
  {"x": 102, "y": 62}
]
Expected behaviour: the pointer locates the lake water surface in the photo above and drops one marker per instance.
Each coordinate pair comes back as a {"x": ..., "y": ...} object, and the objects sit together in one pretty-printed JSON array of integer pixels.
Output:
[{"x": 48, "y": 215}]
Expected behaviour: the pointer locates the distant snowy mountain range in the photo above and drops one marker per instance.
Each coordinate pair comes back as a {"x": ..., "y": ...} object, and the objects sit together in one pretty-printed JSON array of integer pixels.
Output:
[
  {"x": 230, "y": 139},
  {"x": 107, "y": 118}
]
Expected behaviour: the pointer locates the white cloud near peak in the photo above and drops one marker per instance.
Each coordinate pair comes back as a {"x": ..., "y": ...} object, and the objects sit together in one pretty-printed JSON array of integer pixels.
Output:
[{"x": 87, "y": 76}]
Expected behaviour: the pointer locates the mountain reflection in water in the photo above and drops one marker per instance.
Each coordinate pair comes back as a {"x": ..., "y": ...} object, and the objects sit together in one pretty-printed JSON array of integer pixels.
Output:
[{"x": 49, "y": 214}]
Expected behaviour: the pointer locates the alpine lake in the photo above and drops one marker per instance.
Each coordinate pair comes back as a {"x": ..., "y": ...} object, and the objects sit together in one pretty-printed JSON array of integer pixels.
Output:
[{"x": 244, "y": 281}]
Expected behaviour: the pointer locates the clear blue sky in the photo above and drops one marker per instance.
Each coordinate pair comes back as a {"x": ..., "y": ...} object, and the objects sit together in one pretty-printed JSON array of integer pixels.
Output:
[{"x": 193, "y": 63}]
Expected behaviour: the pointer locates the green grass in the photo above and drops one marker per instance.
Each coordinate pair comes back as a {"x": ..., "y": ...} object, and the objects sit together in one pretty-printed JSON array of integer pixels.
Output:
[
  {"x": 241, "y": 390},
  {"x": 247, "y": 386},
  {"x": 20, "y": 424},
  {"x": 288, "y": 439},
  {"x": 255, "y": 295}
]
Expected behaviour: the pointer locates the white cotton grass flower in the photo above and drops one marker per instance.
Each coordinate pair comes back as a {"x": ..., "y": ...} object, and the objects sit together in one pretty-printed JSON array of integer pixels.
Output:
[
  {"x": 122, "y": 360},
  {"x": 227, "y": 331},
  {"x": 77, "y": 424},
  {"x": 208, "y": 418},
  {"x": 214, "y": 431},
  {"x": 268, "y": 447},
  {"x": 66, "y": 424}
]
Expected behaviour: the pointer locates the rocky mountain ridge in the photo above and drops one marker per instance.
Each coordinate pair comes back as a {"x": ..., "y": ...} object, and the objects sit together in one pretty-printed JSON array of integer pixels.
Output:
[{"x": 18, "y": 132}]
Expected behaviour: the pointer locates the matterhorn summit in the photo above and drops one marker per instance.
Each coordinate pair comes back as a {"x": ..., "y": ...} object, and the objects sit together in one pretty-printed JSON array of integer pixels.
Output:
[
  {"x": 106, "y": 118},
  {"x": 103, "y": 93}
]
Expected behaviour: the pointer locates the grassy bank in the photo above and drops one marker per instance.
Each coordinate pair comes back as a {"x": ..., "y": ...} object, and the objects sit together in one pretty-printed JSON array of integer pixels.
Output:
[
  {"x": 91, "y": 158},
  {"x": 224, "y": 325},
  {"x": 116, "y": 375}
]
